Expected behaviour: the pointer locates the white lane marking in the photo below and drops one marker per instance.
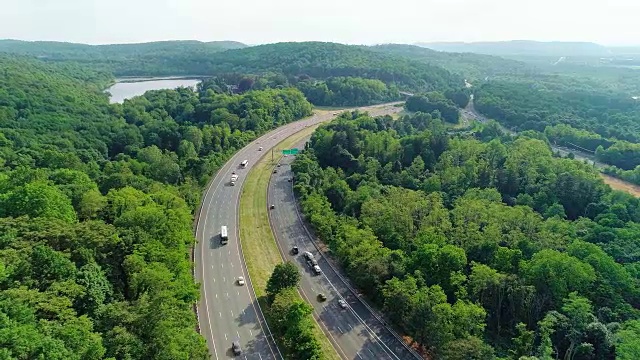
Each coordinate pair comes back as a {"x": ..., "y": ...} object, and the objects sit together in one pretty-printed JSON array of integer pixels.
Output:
[
  {"x": 370, "y": 351},
  {"x": 232, "y": 316},
  {"x": 238, "y": 332},
  {"x": 206, "y": 206},
  {"x": 214, "y": 279},
  {"x": 227, "y": 294},
  {"x": 231, "y": 264},
  {"x": 351, "y": 327},
  {"x": 225, "y": 336},
  {"x": 358, "y": 353},
  {"x": 250, "y": 332},
  {"x": 221, "y": 264},
  {"x": 219, "y": 314},
  {"x": 224, "y": 279},
  {"x": 216, "y": 295},
  {"x": 260, "y": 356},
  {"x": 340, "y": 329},
  {"x": 211, "y": 266},
  {"x": 238, "y": 293},
  {"x": 373, "y": 335}
]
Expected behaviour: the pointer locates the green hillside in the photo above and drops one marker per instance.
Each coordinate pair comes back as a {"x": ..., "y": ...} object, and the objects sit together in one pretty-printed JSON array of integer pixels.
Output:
[
  {"x": 473, "y": 67},
  {"x": 96, "y": 208},
  {"x": 154, "y": 58},
  {"x": 307, "y": 60},
  {"x": 522, "y": 47}
]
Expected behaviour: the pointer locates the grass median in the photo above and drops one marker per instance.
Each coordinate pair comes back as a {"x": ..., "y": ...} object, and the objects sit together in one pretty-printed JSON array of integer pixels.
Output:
[{"x": 258, "y": 243}]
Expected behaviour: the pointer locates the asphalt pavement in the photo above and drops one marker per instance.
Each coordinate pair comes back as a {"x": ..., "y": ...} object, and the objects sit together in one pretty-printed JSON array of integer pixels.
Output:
[
  {"x": 227, "y": 311},
  {"x": 357, "y": 333}
]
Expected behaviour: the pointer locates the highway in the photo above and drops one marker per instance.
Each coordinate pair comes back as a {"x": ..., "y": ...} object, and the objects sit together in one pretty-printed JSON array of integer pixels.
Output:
[
  {"x": 227, "y": 311},
  {"x": 356, "y": 332}
]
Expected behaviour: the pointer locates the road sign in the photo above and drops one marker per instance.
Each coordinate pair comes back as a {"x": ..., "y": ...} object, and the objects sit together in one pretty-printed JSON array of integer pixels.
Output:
[{"x": 293, "y": 151}]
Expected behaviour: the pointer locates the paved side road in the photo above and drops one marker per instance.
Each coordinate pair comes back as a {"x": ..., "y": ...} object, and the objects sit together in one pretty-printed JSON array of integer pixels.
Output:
[
  {"x": 355, "y": 331},
  {"x": 227, "y": 311}
]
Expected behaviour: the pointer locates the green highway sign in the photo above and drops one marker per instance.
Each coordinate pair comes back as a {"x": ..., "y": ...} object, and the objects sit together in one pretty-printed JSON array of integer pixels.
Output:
[{"x": 290, "y": 151}]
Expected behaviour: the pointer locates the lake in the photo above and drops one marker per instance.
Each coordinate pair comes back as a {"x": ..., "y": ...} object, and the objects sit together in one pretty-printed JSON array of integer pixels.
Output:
[{"x": 126, "y": 90}]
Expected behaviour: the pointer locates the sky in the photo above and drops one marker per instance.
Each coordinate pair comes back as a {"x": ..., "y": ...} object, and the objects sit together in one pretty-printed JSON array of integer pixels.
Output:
[{"x": 610, "y": 22}]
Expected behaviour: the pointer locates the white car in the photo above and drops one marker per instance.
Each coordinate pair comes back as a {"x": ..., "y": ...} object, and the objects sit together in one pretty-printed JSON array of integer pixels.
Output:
[
  {"x": 241, "y": 280},
  {"x": 260, "y": 148},
  {"x": 342, "y": 303},
  {"x": 316, "y": 270}
]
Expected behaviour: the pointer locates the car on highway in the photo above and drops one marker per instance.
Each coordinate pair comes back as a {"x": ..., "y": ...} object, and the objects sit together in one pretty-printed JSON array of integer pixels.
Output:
[
  {"x": 241, "y": 280},
  {"x": 342, "y": 303},
  {"x": 308, "y": 256},
  {"x": 279, "y": 164},
  {"x": 275, "y": 171},
  {"x": 260, "y": 148},
  {"x": 272, "y": 206},
  {"x": 289, "y": 179},
  {"x": 235, "y": 347},
  {"x": 316, "y": 270},
  {"x": 322, "y": 297},
  {"x": 295, "y": 250}
]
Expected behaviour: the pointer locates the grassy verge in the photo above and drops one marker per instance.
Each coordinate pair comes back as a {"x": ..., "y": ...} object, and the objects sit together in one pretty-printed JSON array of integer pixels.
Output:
[
  {"x": 618, "y": 184},
  {"x": 258, "y": 243}
]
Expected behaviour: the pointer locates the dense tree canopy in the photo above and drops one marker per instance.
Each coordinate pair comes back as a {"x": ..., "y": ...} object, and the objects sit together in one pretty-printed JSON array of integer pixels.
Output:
[
  {"x": 290, "y": 317},
  {"x": 476, "y": 247},
  {"x": 574, "y": 113},
  {"x": 153, "y": 58},
  {"x": 96, "y": 208},
  {"x": 294, "y": 61}
]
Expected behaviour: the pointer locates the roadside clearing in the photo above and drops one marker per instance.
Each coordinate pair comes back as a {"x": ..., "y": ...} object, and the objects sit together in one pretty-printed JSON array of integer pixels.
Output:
[{"x": 258, "y": 243}]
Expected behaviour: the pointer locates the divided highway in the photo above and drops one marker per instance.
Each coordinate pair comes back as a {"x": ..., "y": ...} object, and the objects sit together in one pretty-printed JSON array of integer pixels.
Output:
[
  {"x": 228, "y": 311},
  {"x": 355, "y": 331}
]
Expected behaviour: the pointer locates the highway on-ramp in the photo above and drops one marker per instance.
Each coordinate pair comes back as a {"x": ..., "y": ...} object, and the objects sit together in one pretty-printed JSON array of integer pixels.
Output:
[
  {"x": 357, "y": 333},
  {"x": 227, "y": 311}
]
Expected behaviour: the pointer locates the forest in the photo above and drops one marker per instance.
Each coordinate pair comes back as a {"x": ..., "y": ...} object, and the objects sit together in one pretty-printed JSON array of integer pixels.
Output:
[
  {"x": 161, "y": 58},
  {"x": 296, "y": 61},
  {"x": 474, "y": 67},
  {"x": 571, "y": 111},
  {"x": 480, "y": 246},
  {"x": 96, "y": 208}
]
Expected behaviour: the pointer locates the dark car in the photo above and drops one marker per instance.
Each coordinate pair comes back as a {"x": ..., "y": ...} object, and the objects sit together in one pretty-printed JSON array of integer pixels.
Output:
[
  {"x": 322, "y": 297},
  {"x": 235, "y": 346},
  {"x": 295, "y": 250}
]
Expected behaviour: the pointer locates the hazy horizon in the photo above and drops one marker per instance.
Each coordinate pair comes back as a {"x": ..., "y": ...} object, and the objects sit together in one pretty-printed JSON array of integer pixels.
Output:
[{"x": 355, "y": 22}]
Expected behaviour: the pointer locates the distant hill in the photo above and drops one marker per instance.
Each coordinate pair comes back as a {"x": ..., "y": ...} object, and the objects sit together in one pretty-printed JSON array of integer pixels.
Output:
[
  {"x": 522, "y": 48},
  {"x": 472, "y": 66},
  {"x": 56, "y": 49},
  {"x": 321, "y": 60},
  {"x": 158, "y": 55},
  {"x": 317, "y": 60}
]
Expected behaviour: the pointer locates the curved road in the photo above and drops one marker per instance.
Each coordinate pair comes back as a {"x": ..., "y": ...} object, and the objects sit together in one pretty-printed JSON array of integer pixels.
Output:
[
  {"x": 227, "y": 311},
  {"x": 355, "y": 331}
]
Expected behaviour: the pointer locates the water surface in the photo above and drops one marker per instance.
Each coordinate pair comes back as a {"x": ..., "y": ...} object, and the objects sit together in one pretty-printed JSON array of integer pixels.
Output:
[{"x": 126, "y": 90}]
